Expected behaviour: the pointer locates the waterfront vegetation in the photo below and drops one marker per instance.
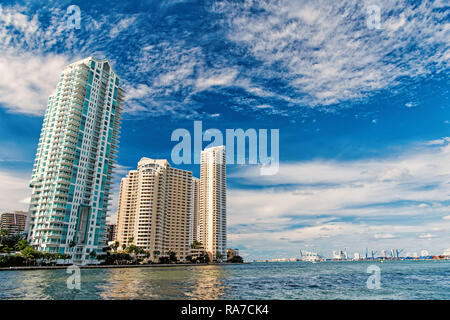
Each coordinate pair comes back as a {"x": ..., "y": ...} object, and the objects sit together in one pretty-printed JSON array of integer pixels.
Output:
[
  {"x": 16, "y": 252},
  {"x": 132, "y": 254}
]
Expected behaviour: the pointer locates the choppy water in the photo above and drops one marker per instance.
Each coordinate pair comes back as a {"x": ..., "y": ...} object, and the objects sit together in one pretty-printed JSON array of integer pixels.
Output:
[{"x": 288, "y": 280}]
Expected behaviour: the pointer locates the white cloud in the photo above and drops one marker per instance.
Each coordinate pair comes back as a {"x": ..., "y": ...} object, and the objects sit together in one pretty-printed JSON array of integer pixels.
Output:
[
  {"x": 14, "y": 192},
  {"x": 28, "y": 76},
  {"x": 384, "y": 190},
  {"x": 326, "y": 52},
  {"x": 384, "y": 236},
  {"x": 426, "y": 236},
  {"x": 216, "y": 78},
  {"x": 439, "y": 141},
  {"x": 28, "y": 79},
  {"x": 122, "y": 25}
]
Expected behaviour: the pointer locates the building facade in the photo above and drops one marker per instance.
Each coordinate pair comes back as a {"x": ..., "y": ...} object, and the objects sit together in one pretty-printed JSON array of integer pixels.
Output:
[
  {"x": 71, "y": 182},
  {"x": 127, "y": 207},
  {"x": 110, "y": 233},
  {"x": 155, "y": 209},
  {"x": 231, "y": 253},
  {"x": 195, "y": 226},
  {"x": 13, "y": 222},
  {"x": 213, "y": 207}
]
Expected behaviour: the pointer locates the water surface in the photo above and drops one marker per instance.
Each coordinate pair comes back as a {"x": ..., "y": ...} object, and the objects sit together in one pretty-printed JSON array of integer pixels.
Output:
[{"x": 284, "y": 280}]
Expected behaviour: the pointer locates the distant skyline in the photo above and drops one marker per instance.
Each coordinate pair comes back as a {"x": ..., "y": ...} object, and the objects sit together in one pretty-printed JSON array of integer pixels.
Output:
[{"x": 363, "y": 113}]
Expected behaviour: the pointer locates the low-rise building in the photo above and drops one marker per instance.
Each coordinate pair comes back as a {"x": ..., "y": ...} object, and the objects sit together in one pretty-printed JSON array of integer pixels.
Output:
[
  {"x": 232, "y": 253},
  {"x": 13, "y": 222}
]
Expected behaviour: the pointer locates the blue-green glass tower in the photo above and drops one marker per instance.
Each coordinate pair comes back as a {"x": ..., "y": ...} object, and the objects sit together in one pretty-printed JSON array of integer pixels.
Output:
[{"x": 71, "y": 182}]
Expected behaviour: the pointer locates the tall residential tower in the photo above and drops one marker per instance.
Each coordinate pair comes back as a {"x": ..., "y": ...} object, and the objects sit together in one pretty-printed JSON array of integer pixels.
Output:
[
  {"x": 213, "y": 207},
  {"x": 71, "y": 182},
  {"x": 155, "y": 209}
]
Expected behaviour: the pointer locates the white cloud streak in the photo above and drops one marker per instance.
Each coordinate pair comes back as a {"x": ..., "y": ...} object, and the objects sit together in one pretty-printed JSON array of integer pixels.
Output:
[
  {"x": 413, "y": 184},
  {"x": 14, "y": 192},
  {"x": 326, "y": 52}
]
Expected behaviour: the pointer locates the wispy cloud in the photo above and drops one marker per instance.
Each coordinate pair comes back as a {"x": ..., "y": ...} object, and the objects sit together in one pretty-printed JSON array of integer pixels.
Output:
[
  {"x": 362, "y": 197},
  {"x": 14, "y": 191},
  {"x": 286, "y": 53},
  {"x": 325, "y": 53},
  {"x": 384, "y": 236},
  {"x": 28, "y": 74},
  {"x": 120, "y": 26},
  {"x": 27, "y": 80}
]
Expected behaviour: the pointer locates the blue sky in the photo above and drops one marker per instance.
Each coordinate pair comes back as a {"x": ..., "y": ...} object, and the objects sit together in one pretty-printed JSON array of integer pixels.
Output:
[{"x": 363, "y": 113}]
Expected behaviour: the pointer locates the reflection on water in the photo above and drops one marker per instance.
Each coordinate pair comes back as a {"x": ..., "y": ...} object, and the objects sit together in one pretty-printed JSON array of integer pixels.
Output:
[
  {"x": 296, "y": 280},
  {"x": 205, "y": 282},
  {"x": 208, "y": 283},
  {"x": 35, "y": 285}
]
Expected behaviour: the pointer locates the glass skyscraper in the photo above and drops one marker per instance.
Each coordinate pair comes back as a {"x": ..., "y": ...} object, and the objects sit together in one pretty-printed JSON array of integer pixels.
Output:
[{"x": 71, "y": 181}]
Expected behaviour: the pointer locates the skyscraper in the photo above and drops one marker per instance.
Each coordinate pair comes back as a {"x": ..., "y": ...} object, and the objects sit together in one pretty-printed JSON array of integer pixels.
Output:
[
  {"x": 213, "y": 206},
  {"x": 155, "y": 209},
  {"x": 71, "y": 182},
  {"x": 195, "y": 227}
]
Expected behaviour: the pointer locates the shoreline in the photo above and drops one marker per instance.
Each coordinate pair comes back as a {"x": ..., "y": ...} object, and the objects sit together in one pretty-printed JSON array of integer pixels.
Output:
[{"x": 29, "y": 268}]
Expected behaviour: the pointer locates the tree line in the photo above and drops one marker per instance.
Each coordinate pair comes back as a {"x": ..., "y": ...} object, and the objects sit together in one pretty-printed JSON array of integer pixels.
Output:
[{"x": 15, "y": 251}]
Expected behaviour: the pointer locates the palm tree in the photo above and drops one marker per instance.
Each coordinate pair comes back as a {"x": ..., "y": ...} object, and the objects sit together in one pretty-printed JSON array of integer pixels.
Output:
[
  {"x": 115, "y": 246},
  {"x": 172, "y": 256},
  {"x": 219, "y": 256},
  {"x": 156, "y": 254},
  {"x": 30, "y": 254},
  {"x": 66, "y": 256},
  {"x": 92, "y": 255},
  {"x": 196, "y": 245},
  {"x": 46, "y": 256}
]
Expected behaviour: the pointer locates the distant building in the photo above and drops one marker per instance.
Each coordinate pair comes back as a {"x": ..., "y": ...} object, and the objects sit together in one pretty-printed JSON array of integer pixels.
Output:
[
  {"x": 110, "y": 233},
  {"x": 13, "y": 222},
  {"x": 340, "y": 255},
  {"x": 232, "y": 253},
  {"x": 424, "y": 253},
  {"x": 195, "y": 253},
  {"x": 310, "y": 256}
]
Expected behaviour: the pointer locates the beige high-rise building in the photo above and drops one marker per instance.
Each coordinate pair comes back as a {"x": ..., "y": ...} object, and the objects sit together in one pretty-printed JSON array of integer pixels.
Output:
[
  {"x": 155, "y": 209},
  {"x": 13, "y": 222},
  {"x": 213, "y": 206},
  {"x": 195, "y": 225},
  {"x": 127, "y": 208}
]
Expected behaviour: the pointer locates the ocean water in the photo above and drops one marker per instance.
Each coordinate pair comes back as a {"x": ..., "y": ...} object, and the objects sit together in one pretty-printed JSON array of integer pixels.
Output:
[{"x": 284, "y": 280}]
